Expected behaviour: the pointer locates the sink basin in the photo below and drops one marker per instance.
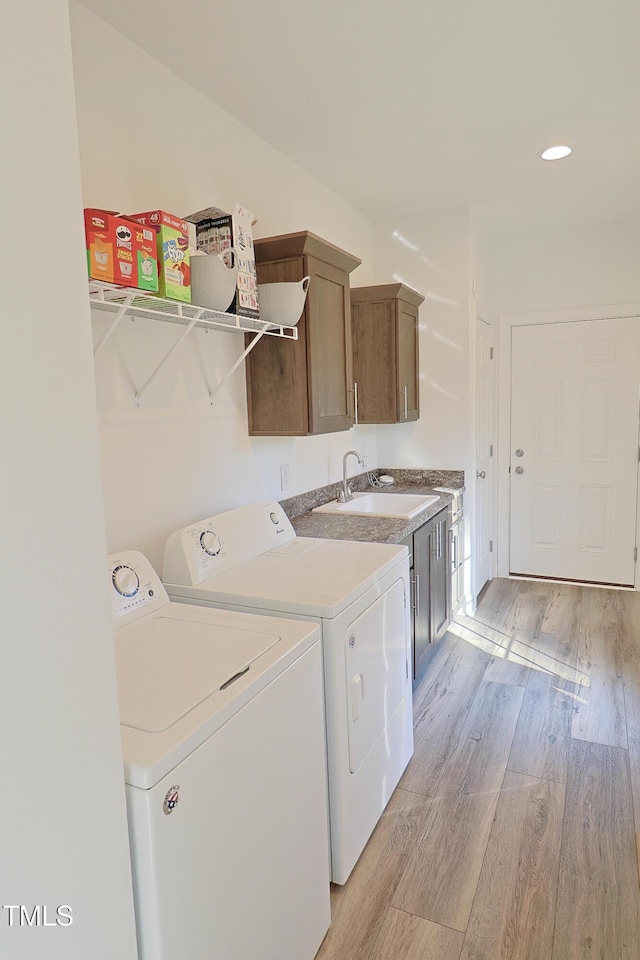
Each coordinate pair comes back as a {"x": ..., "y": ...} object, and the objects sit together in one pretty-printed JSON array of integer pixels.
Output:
[{"x": 401, "y": 505}]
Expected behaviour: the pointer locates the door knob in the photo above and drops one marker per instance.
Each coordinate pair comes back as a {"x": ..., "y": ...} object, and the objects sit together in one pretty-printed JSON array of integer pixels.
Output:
[
  {"x": 519, "y": 452},
  {"x": 480, "y": 474},
  {"x": 519, "y": 469}
]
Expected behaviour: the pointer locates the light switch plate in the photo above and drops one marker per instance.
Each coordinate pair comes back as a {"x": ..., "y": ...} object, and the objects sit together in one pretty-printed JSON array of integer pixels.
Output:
[{"x": 284, "y": 476}]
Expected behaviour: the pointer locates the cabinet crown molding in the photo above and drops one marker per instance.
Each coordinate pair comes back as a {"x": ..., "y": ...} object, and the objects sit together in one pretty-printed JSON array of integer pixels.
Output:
[
  {"x": 304, "y": 243},
  {"x": 386, "y": 291}
]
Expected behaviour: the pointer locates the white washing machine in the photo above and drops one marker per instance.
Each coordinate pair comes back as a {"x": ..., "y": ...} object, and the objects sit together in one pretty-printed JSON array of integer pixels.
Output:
[
  {"x": 250, "y": 559},
  {"x": 222, "y": 720}
]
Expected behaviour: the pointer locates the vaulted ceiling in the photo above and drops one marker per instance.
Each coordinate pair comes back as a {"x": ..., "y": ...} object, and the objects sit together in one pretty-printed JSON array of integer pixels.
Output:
[{"x": 416, "y": 104}]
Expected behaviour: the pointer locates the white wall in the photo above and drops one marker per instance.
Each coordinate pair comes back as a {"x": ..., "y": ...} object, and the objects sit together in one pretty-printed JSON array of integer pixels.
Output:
[
  {"x": 176, "y": 458},
  {"x": 63, "y": 830},
  {"x": 431, "y": 255},
  {"x": 579, "y": 268}
]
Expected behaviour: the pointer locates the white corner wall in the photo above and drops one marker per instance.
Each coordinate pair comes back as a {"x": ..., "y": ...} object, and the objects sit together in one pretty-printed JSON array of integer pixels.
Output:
[
  {"x": 63, "y": 836},
  {"x": 176, "y": 458},
  {"x": 431, "y": 255}
]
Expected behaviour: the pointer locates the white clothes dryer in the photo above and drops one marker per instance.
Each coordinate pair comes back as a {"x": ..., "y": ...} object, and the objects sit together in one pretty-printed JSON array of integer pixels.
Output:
[
  {"x": 250, "y": 559},
  {"x": 222, "y": 721}
]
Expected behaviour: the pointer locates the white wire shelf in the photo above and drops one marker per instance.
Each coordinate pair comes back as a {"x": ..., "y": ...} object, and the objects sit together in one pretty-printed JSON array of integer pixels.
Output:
[
  {"x": 108, "y": 297},
  {"x": 125, "y": 301}
]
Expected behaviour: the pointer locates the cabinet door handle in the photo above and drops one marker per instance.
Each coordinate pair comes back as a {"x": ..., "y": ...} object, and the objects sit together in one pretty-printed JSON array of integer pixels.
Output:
[
  {"x": 406, "y": 403},
  {"x": 453, "y": 543},
  {"x": 417, "y": 595},
  {"x": 355, "y": 400}
]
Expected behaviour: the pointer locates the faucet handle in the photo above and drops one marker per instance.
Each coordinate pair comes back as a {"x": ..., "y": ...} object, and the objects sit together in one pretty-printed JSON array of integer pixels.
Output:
[{"x": 341, "y": 496}]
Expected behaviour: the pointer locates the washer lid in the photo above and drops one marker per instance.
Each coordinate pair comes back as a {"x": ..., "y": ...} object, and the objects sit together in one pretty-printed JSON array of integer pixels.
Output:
[
  {"x": 174, "y": 669},
  {"x": 166, "y": 667}
]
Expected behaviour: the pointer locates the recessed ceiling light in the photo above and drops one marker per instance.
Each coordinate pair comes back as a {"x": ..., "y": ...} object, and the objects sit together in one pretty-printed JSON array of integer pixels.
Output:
[{"x": 555, "y": 153}]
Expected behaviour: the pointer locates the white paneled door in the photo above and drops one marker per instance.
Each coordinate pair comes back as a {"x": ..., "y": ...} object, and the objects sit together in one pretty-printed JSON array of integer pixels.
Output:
[{"x": 574, "y": 449}]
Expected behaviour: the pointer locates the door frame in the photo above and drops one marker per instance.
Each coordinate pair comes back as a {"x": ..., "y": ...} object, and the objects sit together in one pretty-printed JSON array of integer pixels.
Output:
[
  {"x": 506, "y": 323},
  {"x": 471, "y": 515}
]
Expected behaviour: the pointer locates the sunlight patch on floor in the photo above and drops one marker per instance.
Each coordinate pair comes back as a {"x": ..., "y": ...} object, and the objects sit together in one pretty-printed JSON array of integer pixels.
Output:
[{"x": 503, "y": 646}]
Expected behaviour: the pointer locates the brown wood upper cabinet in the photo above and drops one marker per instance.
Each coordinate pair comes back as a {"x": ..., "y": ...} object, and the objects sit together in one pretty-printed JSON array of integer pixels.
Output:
[
  {"x": 304, "y": 386},
  {"x": 384, "y": 324}
]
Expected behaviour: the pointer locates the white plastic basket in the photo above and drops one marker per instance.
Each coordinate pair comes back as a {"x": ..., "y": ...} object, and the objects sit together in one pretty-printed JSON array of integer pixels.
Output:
[
  {"x": 283, "y": 303},
  {"x": 213, "y": 281}
]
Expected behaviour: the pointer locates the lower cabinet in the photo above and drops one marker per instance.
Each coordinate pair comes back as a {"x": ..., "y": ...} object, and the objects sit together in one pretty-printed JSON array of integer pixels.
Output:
[{"x": 431, "y": 587}]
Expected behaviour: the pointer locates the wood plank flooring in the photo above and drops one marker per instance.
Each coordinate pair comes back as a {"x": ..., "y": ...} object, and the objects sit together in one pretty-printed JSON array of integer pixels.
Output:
[{"x": 512, "y": 834}]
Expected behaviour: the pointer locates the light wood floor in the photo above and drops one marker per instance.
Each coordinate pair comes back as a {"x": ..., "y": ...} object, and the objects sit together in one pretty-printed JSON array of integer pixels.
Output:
[{"x": 511, "y": 835}]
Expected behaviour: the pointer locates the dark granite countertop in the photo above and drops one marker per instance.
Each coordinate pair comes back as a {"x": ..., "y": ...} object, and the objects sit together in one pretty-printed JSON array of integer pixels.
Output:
[{"x": 375, "y": 529}]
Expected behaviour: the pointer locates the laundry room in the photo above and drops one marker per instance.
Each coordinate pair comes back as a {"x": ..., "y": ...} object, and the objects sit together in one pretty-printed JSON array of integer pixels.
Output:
[
  {"x": 113, "y": 450},
  {"x": 175, "y": 439}
]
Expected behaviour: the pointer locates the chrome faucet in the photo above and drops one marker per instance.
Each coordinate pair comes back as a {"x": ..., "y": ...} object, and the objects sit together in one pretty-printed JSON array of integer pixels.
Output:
[{"x": 345, "y": 494}]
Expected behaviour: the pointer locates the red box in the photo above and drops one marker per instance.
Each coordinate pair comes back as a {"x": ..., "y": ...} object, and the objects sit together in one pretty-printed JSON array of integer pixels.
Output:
[{"x": 120, "y": 251}]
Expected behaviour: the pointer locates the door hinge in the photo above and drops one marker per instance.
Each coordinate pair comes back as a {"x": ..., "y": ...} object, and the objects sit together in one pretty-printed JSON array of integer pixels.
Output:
[
  {"x": 406, "y": 665},
  {"x": 490, "y": 449},
  {"x": 490, "y": 353},
  {"x": 490, "y": 546},
  {"x": 635, "y": 553},
  {"x": 638, "y": 454}
]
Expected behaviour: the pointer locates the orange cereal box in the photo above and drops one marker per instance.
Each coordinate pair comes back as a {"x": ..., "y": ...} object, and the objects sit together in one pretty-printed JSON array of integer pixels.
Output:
[{"x": 120, "y": 251}]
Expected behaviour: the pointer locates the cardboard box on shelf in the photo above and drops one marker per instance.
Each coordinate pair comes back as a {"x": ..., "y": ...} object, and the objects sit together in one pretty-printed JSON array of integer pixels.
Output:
[
  {"x": 120, "y": 251},
  {"x": 217, "y": 231},
  {"x": 172, "y": 245}
]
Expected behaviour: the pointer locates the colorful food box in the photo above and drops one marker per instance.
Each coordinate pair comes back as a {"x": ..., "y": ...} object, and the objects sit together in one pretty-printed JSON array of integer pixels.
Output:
[
  {"x": 172, "y": 244},
  {"x": 120, "y": 251},
  {"x": 217, "y": 231}
]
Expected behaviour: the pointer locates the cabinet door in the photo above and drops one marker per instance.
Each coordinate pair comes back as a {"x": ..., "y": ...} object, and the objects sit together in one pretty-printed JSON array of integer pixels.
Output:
[
  {"x": 408, "y": 399},
  {"x": 276, "y": 369},
  {"x": 374, "y": 373},
  {"x": 422, "y": 612},
  {"x": 440, "y": 580},
  {"x": 328, "y": 313}
]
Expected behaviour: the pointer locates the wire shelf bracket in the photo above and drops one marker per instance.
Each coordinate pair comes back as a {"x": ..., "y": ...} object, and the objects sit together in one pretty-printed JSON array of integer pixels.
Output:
[{"x": 122, "y": 302}]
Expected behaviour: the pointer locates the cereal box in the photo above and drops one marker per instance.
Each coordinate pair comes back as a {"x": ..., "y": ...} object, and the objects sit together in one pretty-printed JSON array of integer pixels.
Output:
[
  {"x": 172, "y": 244},
  {"x": 100, "y": 238},
  {"x": 120, "y": 251},
  {"x": 217, "y": 231},
  {"x": 140, "y": 242}
]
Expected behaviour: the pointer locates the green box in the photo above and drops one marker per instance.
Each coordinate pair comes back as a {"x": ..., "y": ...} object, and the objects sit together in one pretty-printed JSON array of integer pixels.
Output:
[{"x": 172, "y": 240}]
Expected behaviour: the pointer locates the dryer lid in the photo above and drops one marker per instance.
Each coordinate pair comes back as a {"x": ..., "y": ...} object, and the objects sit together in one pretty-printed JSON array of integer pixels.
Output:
[
  {"x": 167, "y": 667},
  {"x": 318, "y": 578}
]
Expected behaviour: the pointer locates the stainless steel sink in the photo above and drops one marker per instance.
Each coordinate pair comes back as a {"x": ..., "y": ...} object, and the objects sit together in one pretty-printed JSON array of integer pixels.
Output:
[{"x": 402, "y": 505}]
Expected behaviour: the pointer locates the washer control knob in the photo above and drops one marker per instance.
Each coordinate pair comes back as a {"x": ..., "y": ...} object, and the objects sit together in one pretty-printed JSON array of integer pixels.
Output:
[
  {"x": 274, "y": 518},
  {"x": 210, "y": 543},
  {"x": 125, "y": 581}
]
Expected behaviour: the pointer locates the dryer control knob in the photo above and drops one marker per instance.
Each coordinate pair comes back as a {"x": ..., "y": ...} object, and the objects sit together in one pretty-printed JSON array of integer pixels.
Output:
[
  {"x": 125, "y": 580},
  {"x": 210, "y": 543}
]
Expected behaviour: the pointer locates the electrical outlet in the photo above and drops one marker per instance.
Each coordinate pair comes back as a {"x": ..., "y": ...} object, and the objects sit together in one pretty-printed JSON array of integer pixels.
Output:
[{"x": 284, "y": 476}]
